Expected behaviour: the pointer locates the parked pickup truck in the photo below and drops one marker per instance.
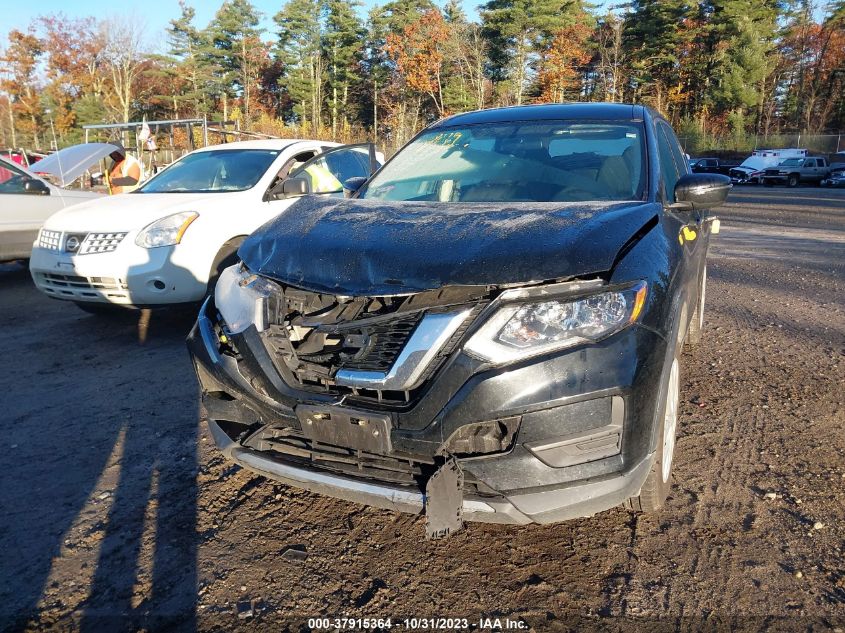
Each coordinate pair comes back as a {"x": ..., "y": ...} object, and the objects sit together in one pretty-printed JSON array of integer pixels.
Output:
[
  {"x": 793, "y": 171},
  {"x": 711, "y": 166}
]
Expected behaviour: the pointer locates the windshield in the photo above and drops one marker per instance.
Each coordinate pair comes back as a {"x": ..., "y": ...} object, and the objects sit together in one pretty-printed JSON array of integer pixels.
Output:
[
  {"x": 212, "y": 171},
  {"x": 521, "y": 161},
  {"x": 793, "y": 162}
]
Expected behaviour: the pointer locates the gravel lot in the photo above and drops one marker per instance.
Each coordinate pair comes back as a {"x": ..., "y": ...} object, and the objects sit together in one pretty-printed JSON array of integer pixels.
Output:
[{"x": 118, "y": 513}]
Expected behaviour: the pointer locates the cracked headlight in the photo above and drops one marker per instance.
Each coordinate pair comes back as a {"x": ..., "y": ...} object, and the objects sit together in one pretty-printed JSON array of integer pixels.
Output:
[
  {"x": 240, "y": 297},
  {"x": 167, "y": 231},
  {"x": 522, "y": 330}
]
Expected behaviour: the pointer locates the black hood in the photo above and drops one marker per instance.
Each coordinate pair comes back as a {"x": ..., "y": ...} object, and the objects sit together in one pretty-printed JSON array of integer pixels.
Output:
[{"x": 370, "y": 247}]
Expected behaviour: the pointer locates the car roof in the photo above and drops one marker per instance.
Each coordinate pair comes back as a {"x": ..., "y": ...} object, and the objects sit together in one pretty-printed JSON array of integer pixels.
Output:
[
  {"x": 272, "y": 143},
  {"x": 549, "y": 111}
]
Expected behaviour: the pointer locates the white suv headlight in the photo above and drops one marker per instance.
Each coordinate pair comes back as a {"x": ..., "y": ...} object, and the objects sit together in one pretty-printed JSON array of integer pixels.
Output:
[
  {"x": 166, "y": 231},
  {"x": 522, "y": 330},
  {"x": 240, "y": 297}
]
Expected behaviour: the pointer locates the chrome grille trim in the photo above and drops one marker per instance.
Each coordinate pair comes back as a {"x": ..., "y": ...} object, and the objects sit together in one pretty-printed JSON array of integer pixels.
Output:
[
  {"x": 101, "y": 242},
  {"x": 50, "y": 240},
  {"x": 433, "y": 332}
]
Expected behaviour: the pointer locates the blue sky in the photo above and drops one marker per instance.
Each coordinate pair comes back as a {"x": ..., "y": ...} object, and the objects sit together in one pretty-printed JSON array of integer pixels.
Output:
[{"x": 155, "y": 14}]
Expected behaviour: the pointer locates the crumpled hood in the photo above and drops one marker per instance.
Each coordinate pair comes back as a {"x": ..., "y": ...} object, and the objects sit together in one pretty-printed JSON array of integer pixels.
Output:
[{"x": 371, "y": 247}]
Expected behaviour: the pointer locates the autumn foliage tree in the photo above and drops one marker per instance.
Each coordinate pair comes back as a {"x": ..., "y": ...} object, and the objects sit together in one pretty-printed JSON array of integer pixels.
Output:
[
  {"x": 735, "y": 72},
  {"x": 419, "y": 54},
  {"x": 21, "y": 61},
  {"x": 563, "y": 63}
]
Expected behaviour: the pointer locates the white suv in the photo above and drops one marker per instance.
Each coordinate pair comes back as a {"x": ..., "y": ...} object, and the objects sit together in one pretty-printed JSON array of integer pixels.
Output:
[{"x": 168, "y": 241}]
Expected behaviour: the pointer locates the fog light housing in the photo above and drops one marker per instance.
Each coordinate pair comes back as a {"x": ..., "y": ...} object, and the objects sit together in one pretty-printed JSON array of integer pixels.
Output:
[{"x": 482, "y": 438}]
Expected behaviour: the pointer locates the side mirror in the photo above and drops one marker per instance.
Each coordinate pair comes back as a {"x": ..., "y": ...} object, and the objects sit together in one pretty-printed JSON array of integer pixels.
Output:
[
  {"x": 701, "y": 191},
  {"x": 288, "y": 188},
  {"x": 295, "y": 187},
  {"x": 352, "y": 185},
  {"x": 36, "y": 187}
]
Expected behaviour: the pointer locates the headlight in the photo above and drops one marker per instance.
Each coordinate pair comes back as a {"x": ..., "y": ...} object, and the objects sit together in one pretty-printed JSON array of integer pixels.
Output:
[
  {"x": 167, "y": 231},
  {"x": 240, "y": 298},
  {"x": 523, "y": 330}
]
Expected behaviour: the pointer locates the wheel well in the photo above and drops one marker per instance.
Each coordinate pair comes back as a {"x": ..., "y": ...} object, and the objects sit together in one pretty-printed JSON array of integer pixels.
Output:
[{"x": 225, "y": 257}]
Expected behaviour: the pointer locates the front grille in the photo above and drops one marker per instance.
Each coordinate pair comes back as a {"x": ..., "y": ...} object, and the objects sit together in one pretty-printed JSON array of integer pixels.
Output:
[
  {"x": 311, "y": 337},
  {"x": 291, "y": 447},
  {"x": 100, "y": 243},
  {"x": 85, "y": 243},
  {"x": 50, "y": 239},
  {"x": 298, "y": 449},
  {"x": 78, "y": 286}
]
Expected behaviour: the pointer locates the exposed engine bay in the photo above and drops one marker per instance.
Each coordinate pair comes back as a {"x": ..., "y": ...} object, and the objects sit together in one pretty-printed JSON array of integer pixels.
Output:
[{"x": 312, "y": 335}]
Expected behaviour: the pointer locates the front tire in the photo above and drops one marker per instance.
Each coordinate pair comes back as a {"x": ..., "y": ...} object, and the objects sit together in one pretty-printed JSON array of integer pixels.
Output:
[
  {"x": 792, "y": 181},
  {"x": 658, "y": 483}
]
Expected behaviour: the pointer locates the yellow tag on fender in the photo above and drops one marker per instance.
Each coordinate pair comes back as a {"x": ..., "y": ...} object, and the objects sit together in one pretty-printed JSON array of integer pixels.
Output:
[{"x": 689, "y": 234}]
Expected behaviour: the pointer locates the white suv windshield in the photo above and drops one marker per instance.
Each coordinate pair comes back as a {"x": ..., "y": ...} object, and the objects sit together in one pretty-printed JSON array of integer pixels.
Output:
[
  {"x": 543, "y": 161},
  {"x": 213, "y": 171}
]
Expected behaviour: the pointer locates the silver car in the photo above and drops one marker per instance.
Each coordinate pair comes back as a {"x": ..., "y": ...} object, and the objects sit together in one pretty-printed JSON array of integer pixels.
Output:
[{"x": 26, "y": 201}]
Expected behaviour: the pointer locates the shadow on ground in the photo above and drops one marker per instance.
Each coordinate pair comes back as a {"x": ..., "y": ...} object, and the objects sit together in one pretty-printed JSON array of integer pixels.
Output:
[{"x": 114, "y": 483}]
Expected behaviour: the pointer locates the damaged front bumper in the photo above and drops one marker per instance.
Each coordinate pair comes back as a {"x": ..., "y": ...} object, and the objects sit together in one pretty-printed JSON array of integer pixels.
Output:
[{"x": 580, "y": 427}]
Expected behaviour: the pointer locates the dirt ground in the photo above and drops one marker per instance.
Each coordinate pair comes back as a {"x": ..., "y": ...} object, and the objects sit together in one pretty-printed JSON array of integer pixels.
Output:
[{"x": 118, "y": 514}]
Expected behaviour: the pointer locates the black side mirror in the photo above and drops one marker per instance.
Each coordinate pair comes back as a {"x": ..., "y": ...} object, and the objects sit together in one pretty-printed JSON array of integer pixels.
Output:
[
  {"x": 352, "y": 185},
  {"x": 295, "y": 187},
  {"x": 288, "y": 188},
  {"x": 36, "y": 187},
  {"x": 701, "y": 191}
]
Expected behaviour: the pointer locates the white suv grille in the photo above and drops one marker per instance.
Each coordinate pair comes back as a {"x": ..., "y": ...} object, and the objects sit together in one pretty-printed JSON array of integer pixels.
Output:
[
  {"x": 100, "y": 243},
  {"x": 50, "y": 239}
]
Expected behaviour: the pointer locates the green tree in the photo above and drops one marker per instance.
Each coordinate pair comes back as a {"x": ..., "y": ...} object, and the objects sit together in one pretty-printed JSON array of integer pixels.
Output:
[
  {"x": 237, "y": 48},
  {"x": 187, "y": 46},
  {"x": 300, "y": 47},
  {"x": 342, "y": 49},
  {"x": 518, "y": 31},
  {"x": 654, "y": 34},
  {"x": 741, "y": 36}
]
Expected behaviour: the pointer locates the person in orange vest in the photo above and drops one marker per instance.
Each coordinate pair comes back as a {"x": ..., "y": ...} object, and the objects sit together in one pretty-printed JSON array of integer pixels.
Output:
[{"x": 126, "y": 172}]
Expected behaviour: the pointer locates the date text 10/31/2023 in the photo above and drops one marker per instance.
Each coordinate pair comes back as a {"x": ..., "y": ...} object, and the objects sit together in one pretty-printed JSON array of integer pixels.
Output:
[{"x": 417, "y": 624}]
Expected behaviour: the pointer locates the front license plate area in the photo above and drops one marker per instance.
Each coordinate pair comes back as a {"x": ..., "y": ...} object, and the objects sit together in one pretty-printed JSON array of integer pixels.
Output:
[{"x": 345, "y": 427}]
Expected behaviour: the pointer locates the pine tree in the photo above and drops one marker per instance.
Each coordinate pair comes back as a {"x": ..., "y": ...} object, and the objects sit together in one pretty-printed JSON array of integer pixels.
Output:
[
  {"x": 518, "y": 32},
  {"x": 344, "y": 33},
  {"x": 186, "y": 45},
  {"x": 236, "y": 47},
  {"x": 741, "y": 36},
  {"x": 300, "y": 43},
  {"x": 655, "y": 32}
]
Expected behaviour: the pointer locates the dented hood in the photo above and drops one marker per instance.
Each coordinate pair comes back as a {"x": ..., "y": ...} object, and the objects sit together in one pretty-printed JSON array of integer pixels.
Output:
[{"x": 371, "y": 247}]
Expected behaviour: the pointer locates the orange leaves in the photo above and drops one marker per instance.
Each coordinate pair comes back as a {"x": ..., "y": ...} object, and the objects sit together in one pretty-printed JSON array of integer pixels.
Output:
[
  {"x": 418, "y": 53},
  {"x": 562, "y": 63}
]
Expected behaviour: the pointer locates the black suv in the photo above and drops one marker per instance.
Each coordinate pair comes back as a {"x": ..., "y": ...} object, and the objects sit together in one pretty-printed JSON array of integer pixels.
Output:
[{"x": 488, "y": 329}]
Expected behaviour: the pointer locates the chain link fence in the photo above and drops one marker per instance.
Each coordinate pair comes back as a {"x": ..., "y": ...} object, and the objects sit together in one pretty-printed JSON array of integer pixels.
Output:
[{"x": 696, "y": 145}]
